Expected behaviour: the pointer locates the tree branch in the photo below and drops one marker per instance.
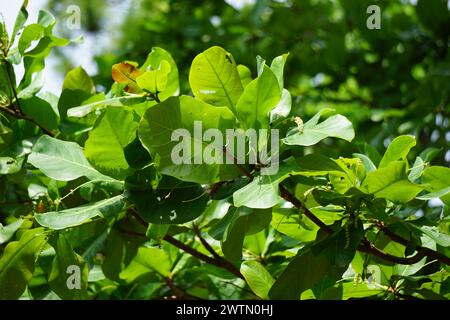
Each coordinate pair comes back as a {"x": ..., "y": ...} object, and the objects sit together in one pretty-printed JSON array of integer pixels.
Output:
[
  {"x": 365, "y": 245},
  {"x": 206, "y": 244},
  {"x": 218, "y": 262},
  {"x": 424, "y": 251},
  {"x": 24, "y": 117},
  {"x": 243, "y": 169}
]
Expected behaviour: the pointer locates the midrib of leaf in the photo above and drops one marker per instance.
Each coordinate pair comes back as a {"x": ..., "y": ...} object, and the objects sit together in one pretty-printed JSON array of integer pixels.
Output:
[
  {"x": 386, "y": 186},
  {"x": 222, "y": 84},
  {"x": 204, "y": 143},
  {"x": 73, "y": 211},
  {"x": 91, "y": 169},
  {"x": 126, "y": 76}
]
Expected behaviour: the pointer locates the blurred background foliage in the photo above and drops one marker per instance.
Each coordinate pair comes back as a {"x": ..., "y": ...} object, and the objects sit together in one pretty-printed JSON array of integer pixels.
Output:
[{"x": 391, "y": 81}]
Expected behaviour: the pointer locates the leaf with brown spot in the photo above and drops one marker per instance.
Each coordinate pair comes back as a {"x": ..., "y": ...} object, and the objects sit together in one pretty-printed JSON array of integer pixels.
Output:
[{"x": 127, "y": 72}]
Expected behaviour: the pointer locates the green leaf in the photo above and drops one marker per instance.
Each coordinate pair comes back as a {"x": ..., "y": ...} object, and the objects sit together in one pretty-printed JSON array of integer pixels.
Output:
[
  {"x": 154, "y": 81},
  {"x": 21, "y": 18},
  {"x": 62, "y": 160},
  {"x": 258, "y": 99},
  {"x": 257, "y": 278},
  {"x": 320, "y": 265},
  {"x": 368, "y": 164},
  {"x": 263, "y": 192},
  {"x": 84, "y": 110},
  {"x": 30, "y": 33},
  {"x": 153, "y": 62},
  {"x": 18, "y": 262},
  {"x": 391, "y": 183},
  {"x": 77, "y": 87},
  {"x": 58, "y": 279},
  {"x": 6, "y": 232},
  {"x": 42, "y": 111},
  {"x": 302, "y": 273},
  {"x": 440, "y": 238},
  {"x": 119, "y": 250},
  {"x": 112, "y": 132},
  {"x": 353, "y": 172},
  {"x": 336, "y": 126},
  {"x": 283, "y": 108},
  {"x": 173, "y": 202},
  {"x": 147, "y": 260},
  {"x": 245, "y": 221},
  {"x": 67, "y": 218},
  {"x": 9, "y": 165},
  {"x": 179, "y": 117},
  {"x": 297, "y": 226},
  {"x": 277, "y": 66},
  {"x": 397, "y": 150},
  {"x": 437, "y": 179},
  {"x": 245, "y": 74},
  {"x": 214, "y": 78}
]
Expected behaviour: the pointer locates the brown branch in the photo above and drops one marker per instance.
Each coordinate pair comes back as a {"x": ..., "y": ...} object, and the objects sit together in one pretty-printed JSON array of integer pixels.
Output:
[
  {"x": 426, "y": 252},
  {"x": 24, "y": 117},
  {"x": 286, "y": 195},
  {"x": 218, "y": 262},
  {"x": 222, "y": 263},
  {"x": 242, "y": 168},
  {"x": 206, "y": 244},
  {"x": 365, "y": 245}
]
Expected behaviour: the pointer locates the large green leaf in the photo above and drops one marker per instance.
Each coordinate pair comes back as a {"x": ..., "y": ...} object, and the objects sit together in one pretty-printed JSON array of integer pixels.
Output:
[
  {"x": 75, "y": 216},
  {"x": 112, "y": 132},
  {"x": 18, "y": 262},
  {"x": 312, "y": 132},
  {"x": 185, "y": 117},
  {"x": 214, "y": 78},
  {"x": 62, "y": 160},
  {"x": 64, "y": 264},
  {"x": 257, "y": 277},
  {"x": 397, "y": 150},
  {"x": 258, "y": 99},
  {"x": 391, "y": 182}
]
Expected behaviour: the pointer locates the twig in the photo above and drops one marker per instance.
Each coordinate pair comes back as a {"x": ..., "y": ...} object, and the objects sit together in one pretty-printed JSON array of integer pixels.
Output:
[
  {"x": 424, "y": 251},
  {"x": 221, "y": 262},
  {"x": 24, "y": 117},
  {"x": 206, "y": 244},
  {"x": 243, "y": 169},
  {"x": 365, "y": 245}
]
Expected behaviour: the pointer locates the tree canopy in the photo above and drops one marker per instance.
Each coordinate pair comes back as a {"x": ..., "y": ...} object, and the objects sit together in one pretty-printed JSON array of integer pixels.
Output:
[{"x": 283, "y": 150}]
